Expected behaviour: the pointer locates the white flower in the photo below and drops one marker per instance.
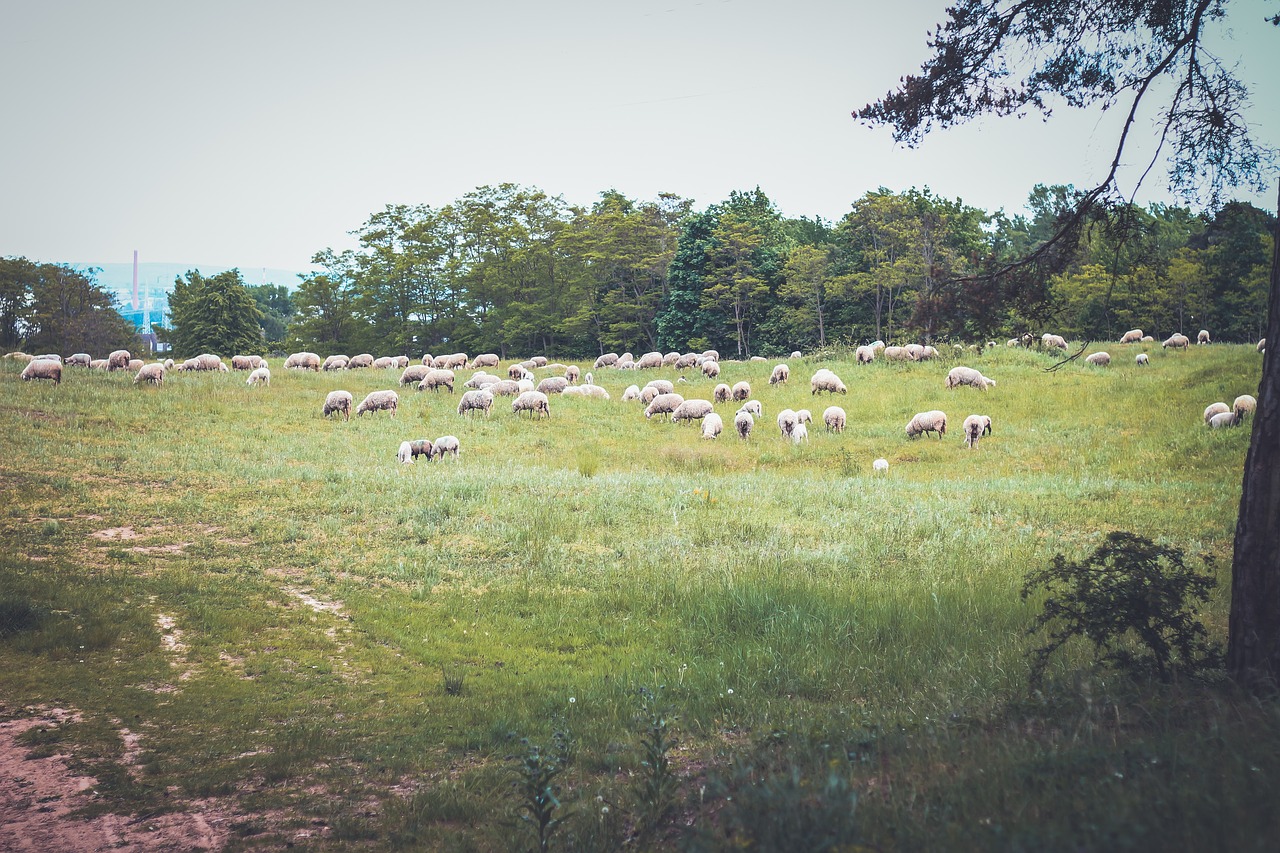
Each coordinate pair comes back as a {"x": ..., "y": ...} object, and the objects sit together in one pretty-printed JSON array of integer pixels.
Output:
[{"x": 572, "y": 700}]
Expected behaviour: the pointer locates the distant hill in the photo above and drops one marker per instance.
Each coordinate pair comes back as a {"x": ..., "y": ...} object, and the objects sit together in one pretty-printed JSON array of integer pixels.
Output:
[{"x": 156, "y": 279}]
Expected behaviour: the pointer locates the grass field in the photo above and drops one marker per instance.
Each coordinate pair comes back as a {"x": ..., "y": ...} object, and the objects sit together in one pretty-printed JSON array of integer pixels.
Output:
[{"x": 274, "y": 607}]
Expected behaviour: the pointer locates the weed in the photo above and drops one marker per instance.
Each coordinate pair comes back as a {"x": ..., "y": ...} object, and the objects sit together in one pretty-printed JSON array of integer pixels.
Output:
[
  {"x": 19, "y": 615},
  {"x": 539, "y": 793},
  {"x": 50, "y": 528},
  {"x": 657, "y": 785},
  {"x": 452, "y": 680},
  {"x": 588, "y": 462}
]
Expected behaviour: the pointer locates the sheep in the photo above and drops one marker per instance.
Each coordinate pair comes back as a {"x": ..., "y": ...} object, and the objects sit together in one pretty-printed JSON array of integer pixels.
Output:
[
  {"x": 553, "y": 385},
  {"x": 360, "y": 362},
  {"x": 428, "y": 360},
  {"x": 338, "y": 401},
  {"x": 896, "y": 354},
  {"x": 866, "y": 354},
  {"x": 204, "y": 361},
  {"x": 168, "y": 364},
  {"x": 1142, "y": 359},
  {"x": 662, "y": 386},
  {"x": 153, "y": 373},
  {"x": 712, "y": 426},
  {"x": 524, "y": 384},
  {"x": 517, "y": 371},
  {"x": 118, "y": 360},
  {"x": 663, "y": 404},
  {"x": 710, "y": 369},
  {"x": 593, "y": 391},
  {"x": 414, "y": 373},
  {"x": 1202, "y": 337},
  {"x": 572, "y": 372},
  {"x": 799, "y": 433},
  {"x": 477, "y": 400},
  {"x": 504, "y": 388},
  {"x": 259, "y": 376},
  {"x": 1132, "y": 336},
  {"x": 834, "y": 417},
  {"x": 684, "y": 362},
  {"x": 670, "y": 359},
  {"x": 796, "y": 354},
  {"x": 421, "y": 447},
  {"x": 20, "y": 356},
  {"x": 914, "y": 351},
  {"x": 754, "y": 407},
  {"x": 880, "y": 466},
  {"x": 43, "y": 368},
  {"x": 781, "y": 373},
  {"x": 447, "y": 444},
  {"x": 1177, "y": 340},
  {"x": 135, "y": 364},
  {"x": 757, "y": 358},
  {"x": 1100, "y": 359},
  {"x": 626, "y": 359},
  {"x": 80, "y": 359},
  {"x": 246, "y": 362},
  {"x": 480, "y": 380},
  {"x": 974, "y": 427},
  {"x": 1012, "y": 342},
  {"x": 405, "y": 454},
  {"x": 384, "y": 362},
  {"x": 803, "y": 416},
  {"x": 1262, "y": 345},
  {"x": 632, "y": 393},
  {"x": 436, "y": 379},
  {"x": 533, "y": 402},
  {"x": 487, "y": 359},
  {"x": 1215, "y": 409},
  {"x": 961, "y": 375},
  {"x": 649, "y": 361},
  {"x": 589, "y": 379},
  {"x": 922, "y": 422},
  {"x": 539, "y": 361},
  {"x": 335, "y": 362},
  {"x": 1147, "y": 339},
  {"x": 743, "y": 422},
  {"x": 741, "y": 391},
  {"x": 722, "y": 393},
  {"x": 609, "y": 359},
  {"x": 1244, "y": 404},
  {"x": 877, "y": 345},
  {"x": 786, "y": 422},
  {"x": 825, "y": 380},
  {"x": 303, "y": 361},
  {"x": 1049, "y": 341},
  {"x": 379, "y": 401},
  {"x": 1225, "y": 419},
  {"x": 928, "y": 353},
  {"x": 457, "y": 361},
  {"x": 691, "y": 410}
]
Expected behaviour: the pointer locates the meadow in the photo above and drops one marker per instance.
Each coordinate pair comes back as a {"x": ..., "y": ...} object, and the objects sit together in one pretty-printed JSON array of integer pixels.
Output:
[{"x": 717, "y": 644}]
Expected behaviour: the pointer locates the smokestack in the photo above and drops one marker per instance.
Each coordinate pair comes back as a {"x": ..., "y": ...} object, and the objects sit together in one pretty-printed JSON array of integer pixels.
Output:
[{"x": 135, "y": 279}]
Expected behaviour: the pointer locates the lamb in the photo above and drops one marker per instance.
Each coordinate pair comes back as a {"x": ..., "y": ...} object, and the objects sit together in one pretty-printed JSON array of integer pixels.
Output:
[
  {"x": 379, "y": 401},
  {"x": 246, "y": 362},
  {"x": 335, "y": 362},
  {"x": 43, "y": 368},
  {"x": 303, "y": 361},
  {"x": 722, "y": 393},
  {"x": 533, "y": 402},
  {"x": 405, "y": 454},
  {"x": 710, "y": 368},
  {"x": 866, "y": 354},
  {"x": 632, "y": 393},
  {"x": 487, "y": 359},
  {"x": 691, "y": 410},
  {"x": 436, "y": 379},
  {"x": 743, "y": 422},
  {"x": 1049, "y": 341},
  {"x": 414, "y": 373},
  {"x": 259, "y": 376},
  {"x": 609, "y": 359},
  {"x": 553, "y": 385},
  {"x": 825, "y": 380},
  {"x": 80, "y": 359},
  {"x": 504, "y": 388},
  {"x": 834, "y": 418},
  {"x": 589, "y": 379},
  {"x": 338, "y": 401},
  {"x": 712, "y": 426},
  {"x": 880, "y": 466},
  {"x": 1132, "y": 336},
  {"x": 1244, "y": 404},
  {"x": 421, "y": 447},
  {"x": 786, "y": 422},
  {"x": 741, "y": 391},
  {"x": 958, "y": 376},
  {"x": 663, "y": 404},
  {"x": 1101, "y": 359},
  {"x": 800, "y": 433},
  {"x": 781, "y": 373},
  {"x": 572, "y": 372},
  {"x": 1177, "y": 340},
  {"x": 477, "y": 400},
  {"x": 153, "y": 373},
  {"x": 649, "y": 361},
  {"x": 1142, "y": 359},
  {"x": 974, "y": 427},
  {"x": 1215, "y": 409},
  {"x": 118, "y": 360},
  {"x": 447, "y": 444},
  {"x": 754, "y": 407},
  {"x": 1202, "y": 337},
  {"x": 1225, "y": 419},
  {"x": 934, "y": 421}
]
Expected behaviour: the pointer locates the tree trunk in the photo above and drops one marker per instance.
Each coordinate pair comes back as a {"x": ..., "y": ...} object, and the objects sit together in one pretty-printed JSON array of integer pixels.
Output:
[{"x": 1253, "y": 634}]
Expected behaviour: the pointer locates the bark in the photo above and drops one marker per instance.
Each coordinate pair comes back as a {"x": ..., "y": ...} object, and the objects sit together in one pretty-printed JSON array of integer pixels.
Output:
[{"x": 1253, "y": 634}]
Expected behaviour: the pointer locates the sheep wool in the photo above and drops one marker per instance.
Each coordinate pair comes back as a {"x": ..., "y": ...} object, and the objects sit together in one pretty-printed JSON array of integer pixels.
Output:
[
  {"x": 934, "y": 421},
  {"x": 338, "y": 401},
  {"x": 710, "y": 369},
  {"x": 799, "y": 433},
  {"x": 437, "y": 378},
  {"x": 1203, "y": 337},
  {"x": 153, "y": 373},
  {"x": 803, "y": 416},
  {"x": 553, "y": 385},
  {"x": 360, "y": 362},
  {"x": 533, "y": 402},
  {"x": 722, "y": 393},
  {"x": 866, "y": 354},
  {"x": 1215, "y": 409},
  {"x": 414, "y": 373},
  {"x": 478, "y": 400},
  {"x": 974, "y": 427},
  {"x": 743, "y": 422},
  {"x": 43, "y": 368},
  {"x": 781, "y": 373},
  {"x": 712, "y": 426},
  {"x": 1244, "y": 404},
  {"x": 834, "y": 418},
  {"x": 741, "y": 391},
  {"x": 379, "y": 401},
  {"x": 754, "y": 407},
  {"x": 259, "y": 376}
]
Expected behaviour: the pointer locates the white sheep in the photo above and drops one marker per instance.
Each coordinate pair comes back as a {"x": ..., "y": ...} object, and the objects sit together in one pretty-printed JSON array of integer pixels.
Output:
[
  {"x": 379, "y": 401},
  {"x": 974, "y": 427},
  {"x": 670, "y": 359},
  {"x": 722, "y": 393},
  {"x": 961, "y": 375},
  {"x": 592, "y": 391},
  {"x": 589, "y": 380},
  {"x": 524, "y": 385},
  {"x": 649, "y": 361},
  {"x": 1098, "y": 359},
  {"x": 825, "y": 380},
  {"x": 691, "y": 410},
  {"x": 914, "y": 351},
  {"x": 1225, "y": 419},
  {"x": 687, "y": 360},
  {"x": 43, "y": 368},
  {"x": 421, "y": 447},
  {"x": 1215, "y": 409},
  {"x": 573, "y": 373},
  {"x": 754, "y": 407},
  {"x": 741, "y": 391},
  {"x": 663, "y": 404},
  {"x": 436, "y": 378},
  {"x": 1132, "y": 336},
  {"x": 786, "y": 422},
  {"x": 362, "y": 361},
  {"x": 1049, "y": 341},
  {"x": 609, "y": 359},
  {"x": 153, "y": 373},
  {"x": 632, "y": 393},
  {"x": 414, "y": 373},
  {"x": 1262, "y": 345},
  {"x": 781, "y": 373},
  {"x": 405, "y": 453},
  {"x": 1177, "y": 340},
  {"x": 338, "y": 401},
  {"x": 246, "y": 362},
  {"x": 533, "y": 402},
  {"x": 553, "y": 385},
  {"x": 486, "y": 359},
  {"x": 1142, "y": 359},
  {"x": 1202, "y": 337},
  {"x": 662, "y": 386},
  {"x": 1244, "y": 404},
  {"x": 302, "y": 361},
  {"x": 866, "y": 354},
  {"x": 897, "y": 354},
  {"x": 478, "y": 400},
  {"x": 834, "y": 417},
  {"x": 118, "y": 360},
  {"x": 743, "y": 422},
  {"x": 799, "y": 433},
  {"x": 504, "y": 388},
  {"x": 712, "y": 426},
  {"x": 710, "y": 369},
  {"x": 259, "y": 376},
  {"x": 922, "y": 422},
  {"x": 803, "y": 416},
  {"x": 446, "y": 444},
  {"x": 335, "y": 362},
  {"x": 880, "y": 466}
]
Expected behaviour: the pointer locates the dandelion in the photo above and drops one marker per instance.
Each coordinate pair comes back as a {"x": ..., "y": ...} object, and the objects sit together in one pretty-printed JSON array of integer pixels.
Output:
[
  {"x": 572, "y": 699},
  {"x": 730, "y": 691}
]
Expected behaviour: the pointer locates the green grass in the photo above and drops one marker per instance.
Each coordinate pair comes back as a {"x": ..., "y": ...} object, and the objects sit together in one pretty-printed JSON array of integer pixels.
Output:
[{"x": 804, "y": 616}]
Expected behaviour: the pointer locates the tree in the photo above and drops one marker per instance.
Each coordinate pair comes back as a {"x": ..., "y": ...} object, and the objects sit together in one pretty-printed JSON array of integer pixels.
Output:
[
  {"x": 276, "y": 306},
  {"x": 1095, "y": 54},
  {"x": 324, "y": 319},
  {"x": 57, "y": 308},
  {"x": 215, "y": 315}
]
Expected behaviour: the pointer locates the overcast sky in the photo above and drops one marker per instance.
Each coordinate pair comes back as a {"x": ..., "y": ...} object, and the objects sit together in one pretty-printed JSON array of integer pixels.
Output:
[{"x": 253, "y": 134}]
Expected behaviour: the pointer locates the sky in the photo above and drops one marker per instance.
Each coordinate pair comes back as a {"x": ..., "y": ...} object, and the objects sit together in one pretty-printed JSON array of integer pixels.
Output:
[{"x": 254, "y": 134}]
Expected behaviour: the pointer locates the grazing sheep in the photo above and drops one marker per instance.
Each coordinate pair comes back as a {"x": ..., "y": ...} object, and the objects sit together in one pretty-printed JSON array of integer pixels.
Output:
[
  {"x": 118, "y": 360},
  {"x": 303, "y": 361},
  {"x": 1262, "y": 345},
  {"x": 335, "y": 362},
  {"x": 626, "y": 361},
  {"x": 649, "y": 361},
  {"x": 487, "y": 359},
  {"x": 533, "y": 402},
  {"x": 928, "y": 353},
  {"x": 757, "y": 358},
  {"x": 447, "y": 444},
  {"x": 1225, "y": 419},
  {"x": 609, "y": 359},
  {"x": 18, "y": 355},
  {"x": 710, "y": 369},
  {"x": 1202, "y": 337},
  {"x": 754, "y": 407},
  {"x": 786, "y": 422},
  {"x": 1012, "y": 342},
  {"x": 422, "y": 447},
  {"x": 360, "y": 362},
  {"x": 1177, "y": 340},
  {"x": 799, "y": 433},
  {"x": 338, "y": 401},
  {"x": 934, "y": 421},
  {"x": 866, "y": 354},
  {"x": 1215, "y": 409},
  {"x": 572, "y": 373},
  {"x": 781, "y": 373},
  {"x": 524, "y": 384},
  {"x": 796, "y": 354},
  {"x": 712, "y": 426},
  {"x": 691, "y": 410},
  {"x": 168, "y": 364},
  {"x": 825, "y": 380},
  {"x": 246, "y": 362},
  {"x": 1049, "y": 341},
  {"x": 153, "y": 373},
  {"x": 662, "y": 386},
  {"x": 684, "y": 362},
  {"x": 803, "y": 416},
  {"x": 974, "y": 427},
  {"x": 259, "y": 376},
  {"x": 589, "y": 379},
  {"x": 914, "y": 351},
  {"x": 896, "y": 354},
  {"x": 722, "y": 393},
  {"x": 593, "y": 391},
  {"x": 379, "y": 401},
  {"x": 135, "y": 364},
  {"x": 539, "y": 361},
  {"x": 436, "y": 379},
  {"x": 648, "y": 392},
  {"x": 383, "y": 362},
  {"x": 428, "y": 360},
  {"x": 553, "y": 385},
  {"x": 1244, "y": 404},
  {"x": 670, "y": 359},
  {"x": 880, "y": 466},
  {"x": 399, "y": 362},
  {"x": 80, "y": 359},
  {"x": 405, "y": 453},
  {"x": 632, "y": 393},
  {"x": 480, "y": 380},
  {"x": 741, "y": 391},
  {"x": 457, "y": 361},
  {"x": 1101, "y": 359},
  {"x": 504, "y": 388},
  {"x": 1132, "y": 336},
  {"x": 204, "y": 361},
  {"x": 477, "y": 400},
  {"x": 1142, "y": 359},
  {"x": 43, "y": 368},
  {"x": 960, "y": 375},
  {"x": 834, "y": 418},
  {"x": 663, "y": 404},
  {"x": 414, "y": 373},
  {"x": 1147, "y": 339},
  {"x": 743, "y": 422}
]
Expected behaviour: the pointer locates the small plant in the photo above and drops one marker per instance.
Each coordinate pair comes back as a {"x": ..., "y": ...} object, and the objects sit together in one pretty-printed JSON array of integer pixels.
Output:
[
  {"x": 1128, "y": 592},
  {"x": 452, "y": 681},
  {"x": 539, "y": 794},
  {"x": 588, "y": 462},
  {"x": 50, "y": 528},
  {"x": 18, "y": 615},
  {"x": 656, "y": 786}
]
